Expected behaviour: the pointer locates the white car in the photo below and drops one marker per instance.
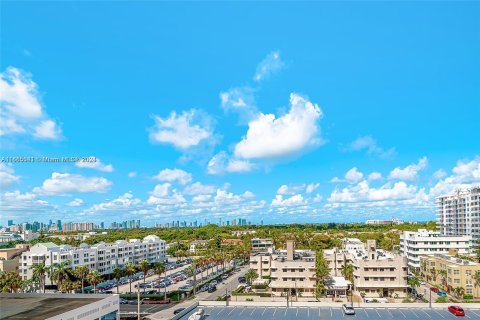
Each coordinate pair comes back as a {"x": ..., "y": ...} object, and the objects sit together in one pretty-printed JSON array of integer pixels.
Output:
[
  {"x": 199, "y": 315},
  {"x": 423, "y": 283},
  {"x": 348, "y": 309}
]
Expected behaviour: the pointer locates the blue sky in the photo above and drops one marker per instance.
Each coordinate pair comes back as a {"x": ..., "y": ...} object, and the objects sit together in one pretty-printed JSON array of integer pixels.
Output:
[{"x": 281, "y": 112}]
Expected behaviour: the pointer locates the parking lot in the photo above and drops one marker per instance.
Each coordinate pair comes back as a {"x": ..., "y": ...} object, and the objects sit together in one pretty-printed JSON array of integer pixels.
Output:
[
  {"x": 144, "y": 308},
  {"x": 304, "y": 313}
]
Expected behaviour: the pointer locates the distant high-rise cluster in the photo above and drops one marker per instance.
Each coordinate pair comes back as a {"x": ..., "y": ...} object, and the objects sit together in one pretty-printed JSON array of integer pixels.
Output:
[{"x": 130, "y": 224}]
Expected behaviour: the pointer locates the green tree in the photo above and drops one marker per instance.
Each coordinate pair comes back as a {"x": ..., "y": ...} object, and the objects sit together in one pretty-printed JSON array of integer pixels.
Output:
[
  {"x": 117, "y": 273},
  {"x": 159, "y": 268},
  {"x": 60, "y": 272},
  {"x": 94, "y": 278},
  {"x": 459, "y": 291},
  {"x": 413, "y": 282},
  {"x": 39, "y": 271},
  {"x": 321, "y": 273},
  {"x": 443, "y": 276},
  {"x": 81, "y": 272},
  {"x": 251, "y": 275},
  {"x": 347, "y": 271},
  {"x": 476, "y": 279},
  {"x": 144, "y": 266},
  {"x": 130, "y": 270}
]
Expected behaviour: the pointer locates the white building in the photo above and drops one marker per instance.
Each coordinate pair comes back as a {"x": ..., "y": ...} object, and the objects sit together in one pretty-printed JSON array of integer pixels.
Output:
[
  {"x": 391, "y": 221},
  {"x": 459, "y": 214},
  {"x": 103, "y": 257},
  {"x": 427, "y": 242},
  {"x": 258, "y": 244},
  {"x": 198, "y": 245}
]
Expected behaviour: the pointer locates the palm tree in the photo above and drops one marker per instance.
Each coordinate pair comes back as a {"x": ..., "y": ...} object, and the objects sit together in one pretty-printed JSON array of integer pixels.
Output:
[
  {"x": 11, "y": 282},
  {"x": 60, "y": 272},
  {"x": 144, "y": 265},
  {"x": 117, "y": 274},
  {"x": 413, "y": 282},
  {"x": 433, "y": 271},
  {"x": 251, "y": 275},
  {"x": 159, "y": 268},
  {"x": 81, "y": 272},
  {"x": 321, "y": 272},
  {"x": 443, "y": 275},
  {"x": 130, "y": 270},
  {"x": 94, "y": 278},
  {"x": 459, "y": 291},
  {"x": 476, "y": 279},
  {"x": 347, "y": 271},
  {"x": 39, "y": 271}
]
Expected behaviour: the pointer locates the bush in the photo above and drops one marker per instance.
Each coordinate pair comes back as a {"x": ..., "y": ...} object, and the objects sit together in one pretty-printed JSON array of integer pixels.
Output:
[
  {"x": 248, "y": 299},
  {"x": 441, "y": 300},
  {"x": 260, "y": 286},
  {"x": 468, "y": 296},
  {"x": 374, "y": 301},
  {"x": 407, "y": 300}
]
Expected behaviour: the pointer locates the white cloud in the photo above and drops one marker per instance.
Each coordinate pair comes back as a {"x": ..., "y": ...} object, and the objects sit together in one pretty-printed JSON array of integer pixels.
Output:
[
  {"x": 184, "y": 131},
  {"x": 295, "y": 200},
  {"x": 47, "y": 130},
  {"x": 161, "y": 190},
  {"x": 221, "y": 163},
  {"x": 132, "y": 174},
  {"x": 202, "y": 198},
  {"x": 410, "y": 172},
  {"x": 198, "y": 188},
  {"x": 312, "y": 187},
  {"x": 269, "y": 137},
  {"x": 370, "y": 144},
  {"x": 97, "y": 165},
  {"x": 439, "y": 174},
  {"x": 353, "y": 175},
  {"x": 269, "y": 65},
  {"x": 7, "y": 176},
  {"x": 290, "y": 189},
  {"x": 362, "y": 192},
  {"x": 240, "y": 100},
  {"x": 23, "y": 203},
  {"x": 374, "y": 176},
  {"x": 126, "y": 202},
  {"x": 77, "y": 202},
  {"x": 464, "y": 175},
  {"x": 20, "y": 108},
  {"x": 64, "y": 183},
  {"x": 171, "y": 175}
]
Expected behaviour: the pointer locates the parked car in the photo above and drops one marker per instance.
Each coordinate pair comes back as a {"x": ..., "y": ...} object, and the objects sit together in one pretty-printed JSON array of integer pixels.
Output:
[
  {"x": 442, "y": 294},
  {"x": 348, "y": 309},
  {"x": 177, "y": 311},
  {"x": 434, "y": 289},
  {"x": 242, "y": 279},
  {"x": 456, "y": 310},
  {"x": 212, "y": 289},
  {"x": 123, "y": 301}
]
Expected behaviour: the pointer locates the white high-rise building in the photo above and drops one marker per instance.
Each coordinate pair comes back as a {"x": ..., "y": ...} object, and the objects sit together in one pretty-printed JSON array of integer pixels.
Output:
[
  {"x": 459, "y": 214},
  {"x": 103, "y": 257},
  {"x": 426, "y": 242}
]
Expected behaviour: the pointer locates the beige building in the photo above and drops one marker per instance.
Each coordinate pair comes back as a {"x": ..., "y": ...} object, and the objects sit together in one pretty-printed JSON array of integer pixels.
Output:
[
  {"x": 289, "y": 270},
  {"x": 258, "y": 244},
  {"x": 10, "y": 257},
  {"x": 380, "y": 274},
  {"x": 459, "y": 273}
]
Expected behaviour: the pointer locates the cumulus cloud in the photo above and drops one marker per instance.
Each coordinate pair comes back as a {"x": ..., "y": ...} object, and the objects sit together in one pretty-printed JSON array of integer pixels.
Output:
[
  {"x": 198, "y": 188},
  {"x": 410, "y": 172},
  {"x": 439, "y": 174},
  {"x": 290, "y": 189},
  {"x": 374, "y": 176},
  {"x": 353, "y": 175},
  {"x": 240, "y": 100},
  {"x": 126, "y": 202},
  {"x": 184, "y": 131},
  {"x": 132, "y": 174},
  {"x": 65, "y": 183},
  {"x": 7, "y": 176},
  {"x": 171, "y": 175},
  {"x": 465, "y": 174},
  {"x": 272, "y": 138},
  {"x": 23, "y": 203},
  {"x": 362, "y": 192},
  {"x": 272, "y": 63},
  {"x": 312, "y": 187},
  {"x": 77, "y": 202},
  {"x": 21, "y": 110},
  {"x": 370, "y": 144},
  {"x": 97, "y": 165},
  {"x": 222, "y": 163},
  {"x": 295, "y": 200}
]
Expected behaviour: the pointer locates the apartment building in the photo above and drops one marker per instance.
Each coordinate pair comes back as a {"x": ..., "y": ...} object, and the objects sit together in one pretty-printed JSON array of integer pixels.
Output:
[
  {"x": 103, "y": 257},
  {"x": 391, "y": 221},
  {"x": 289, "y": 270},
  {"x": 258, "y": 244},
  {"x": 198, "y": 245},
  {"x": 426, "y": 242},
  {"x": 459, "y": 214},
  {"x": 10, "y": 257},
  {"x": 380, "y": 274},
  {"x": 447, "y": 272}
]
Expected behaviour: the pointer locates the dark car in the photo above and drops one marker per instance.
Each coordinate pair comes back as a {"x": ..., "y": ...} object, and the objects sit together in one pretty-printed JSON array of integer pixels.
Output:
[
  {"x": 177, "y": 311},
  {"x": 456, "y": 310},
  {"x": 123, "y": 301},
  {"x": 212, "y": 289},
  {"x": 242, "y": 279}
]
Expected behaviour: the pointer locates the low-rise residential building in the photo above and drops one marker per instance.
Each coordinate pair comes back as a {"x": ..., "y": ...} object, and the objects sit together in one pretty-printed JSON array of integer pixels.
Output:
[
  {"x": 390, "y": 221},
  {"x": 103, "y": 257},
  {"x": 427, "y": 242},
  {"x": 289, "y": 270},
  {"x": 198, "y": 245},
  {"x": 448, "y": 272},
  {"x": 258, "y": 244},
  {"x": 238, "y": 233},
  {"x": 10, "y": 257},
  {"x": 380, "y": 274}
]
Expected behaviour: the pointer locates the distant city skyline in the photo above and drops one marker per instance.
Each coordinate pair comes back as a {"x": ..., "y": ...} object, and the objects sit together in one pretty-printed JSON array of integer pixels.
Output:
[{"x": 274, "y": 112}]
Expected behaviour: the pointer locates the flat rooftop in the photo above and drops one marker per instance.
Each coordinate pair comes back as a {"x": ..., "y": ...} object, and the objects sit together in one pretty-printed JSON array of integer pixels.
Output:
[{"x": 41, "y": 306}]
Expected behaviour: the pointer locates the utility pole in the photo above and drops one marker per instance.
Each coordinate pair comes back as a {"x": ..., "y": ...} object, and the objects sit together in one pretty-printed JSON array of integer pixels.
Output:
[
  {"x": 226, "y": 297},
  {"x": 138, "y": 301}
]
